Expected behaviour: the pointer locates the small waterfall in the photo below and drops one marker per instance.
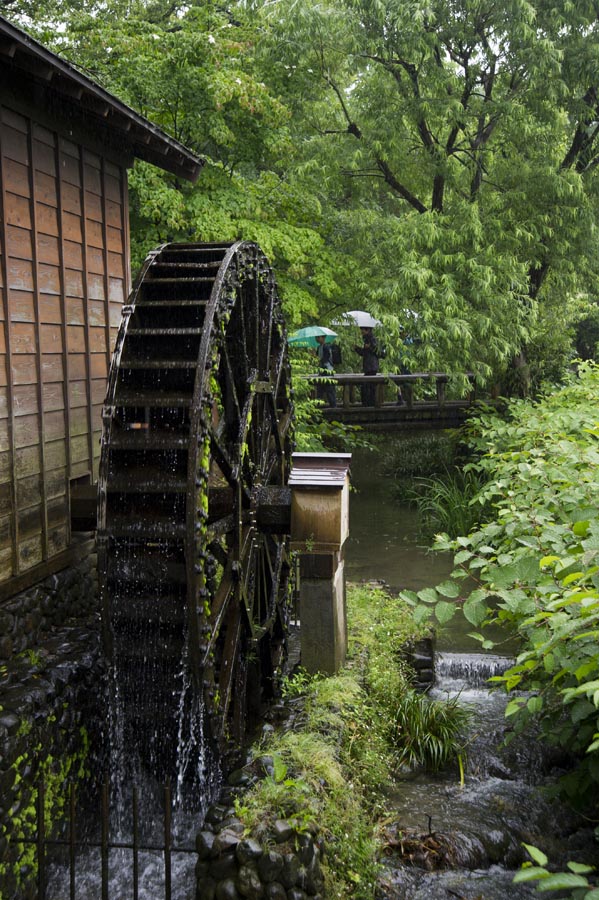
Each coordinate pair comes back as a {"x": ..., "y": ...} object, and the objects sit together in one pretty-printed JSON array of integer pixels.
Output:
[
  {"x": 155, "y": 735},
  {"x": 469, "y": 669}
]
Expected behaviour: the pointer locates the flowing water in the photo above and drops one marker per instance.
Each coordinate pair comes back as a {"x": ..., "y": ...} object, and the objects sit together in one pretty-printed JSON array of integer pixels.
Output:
[{"x": 465, "y": 841}]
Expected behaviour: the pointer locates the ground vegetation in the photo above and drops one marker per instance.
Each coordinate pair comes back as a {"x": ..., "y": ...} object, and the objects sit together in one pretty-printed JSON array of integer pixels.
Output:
[{"x": 350, "y": 733}]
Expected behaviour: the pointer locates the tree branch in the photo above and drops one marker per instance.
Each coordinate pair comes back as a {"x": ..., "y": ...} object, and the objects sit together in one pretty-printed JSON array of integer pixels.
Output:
[
  {"x": 582, "y": 139},
  {"x": 399, "y": 188}
]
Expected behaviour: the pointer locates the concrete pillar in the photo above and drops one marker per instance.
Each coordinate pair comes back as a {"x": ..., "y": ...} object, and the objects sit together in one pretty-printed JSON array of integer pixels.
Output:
[{"x": 323, "y": 630}]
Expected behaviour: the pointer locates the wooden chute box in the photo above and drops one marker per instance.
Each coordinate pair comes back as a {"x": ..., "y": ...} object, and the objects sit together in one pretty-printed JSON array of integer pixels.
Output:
[
  {"x": 319, "y": 501},
  {"x": 319, "y": 526}
]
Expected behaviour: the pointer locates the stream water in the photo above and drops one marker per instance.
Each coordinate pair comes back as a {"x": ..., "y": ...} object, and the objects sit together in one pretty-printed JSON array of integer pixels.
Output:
[{"x": 474, "y": 832}]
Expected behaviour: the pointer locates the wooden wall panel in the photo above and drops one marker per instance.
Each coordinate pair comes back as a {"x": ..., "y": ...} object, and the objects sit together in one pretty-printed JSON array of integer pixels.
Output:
[{"x": 64, "y": 274}]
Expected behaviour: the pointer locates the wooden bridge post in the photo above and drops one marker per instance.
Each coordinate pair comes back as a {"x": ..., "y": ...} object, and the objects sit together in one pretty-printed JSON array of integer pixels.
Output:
[{"x": 319, "y": 527}]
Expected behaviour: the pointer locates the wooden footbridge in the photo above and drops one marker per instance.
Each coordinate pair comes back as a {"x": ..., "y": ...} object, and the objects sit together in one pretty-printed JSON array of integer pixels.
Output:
[{"x": 397, "y": 402}]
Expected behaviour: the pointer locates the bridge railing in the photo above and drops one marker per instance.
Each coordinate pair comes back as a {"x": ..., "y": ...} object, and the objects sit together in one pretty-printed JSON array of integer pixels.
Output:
[{"x": 403, "y": 383}]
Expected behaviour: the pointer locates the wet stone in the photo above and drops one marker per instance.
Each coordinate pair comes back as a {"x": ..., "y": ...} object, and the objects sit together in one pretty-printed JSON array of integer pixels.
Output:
[
  {"x": 232, "y": 824},
  {"x": 225, "y": 840},
  {"x": 291, "y": 868},
  {"x": 305, "y": 846},
  {"x": 226, "y": 890},
  {"x": 248, "y": 883},
  {"x": 204, "y": 844},
  {"x": 202, "y": 870},
  {"x": 216, "y": 813},
  {"x": 296, "y": 894},
  {"x": 224, "y": 867},
  {"x": 275, "y": 891},
  {"x": 10, "y": 722},
  {"x": 270, "y": 866},
  {"x": 206, "y": 889},
  {"x": 314, "y": 878},
  {"x": 248, "y": 851},
  {"x": 239, "y": 778},
  {"x": 282, "y": 831},
  {"x": 6, "y": 647}
]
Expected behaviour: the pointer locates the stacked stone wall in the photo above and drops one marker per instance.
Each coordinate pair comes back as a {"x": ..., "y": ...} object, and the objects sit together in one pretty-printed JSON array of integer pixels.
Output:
[
  {"x": 69, "y": 595},
  {"x": 50, "y": 672},
  {"x": 278, "y": 860}
]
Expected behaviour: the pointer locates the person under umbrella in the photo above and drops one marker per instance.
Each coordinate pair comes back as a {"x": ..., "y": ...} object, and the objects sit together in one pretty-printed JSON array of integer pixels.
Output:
[
  {"x": 325, "y": 391},
  {"x": 369, "y": 351}
]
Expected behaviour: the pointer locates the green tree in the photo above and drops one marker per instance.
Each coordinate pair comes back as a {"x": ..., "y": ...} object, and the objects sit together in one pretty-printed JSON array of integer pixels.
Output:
[
  {"x": 465, "y": 140},
  {"x": 191, "y": 68}
]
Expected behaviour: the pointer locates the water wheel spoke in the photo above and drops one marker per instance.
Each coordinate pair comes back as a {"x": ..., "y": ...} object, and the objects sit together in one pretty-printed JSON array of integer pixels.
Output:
[
  {"x": 231, "y": 394},
  {"x": 276, "y": 577},
  {"x": 270, "y": 313},
  {"x": 219, "y": 609},
  {"x": 271, "y": 415},
  {"x": 218, "y": 552},
  {"x": 229, "y": 469},
  {"x": 280, "y": 368},
  {"x": 229, "y": 657},
  {"x": 248, "y": 586}
]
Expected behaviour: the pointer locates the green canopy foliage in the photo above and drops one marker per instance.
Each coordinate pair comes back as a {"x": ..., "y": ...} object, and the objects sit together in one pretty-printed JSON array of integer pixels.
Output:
[
  {"x": 465, "y": 134},
  {"x": 436, "y": 157}
]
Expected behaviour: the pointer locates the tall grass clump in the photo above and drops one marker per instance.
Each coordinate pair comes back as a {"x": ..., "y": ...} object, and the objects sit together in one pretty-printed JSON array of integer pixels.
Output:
[
  {"x": 412, "y": 456},
  {"x": 449, "y": 502},
  {"x": 429, "y": 733}
]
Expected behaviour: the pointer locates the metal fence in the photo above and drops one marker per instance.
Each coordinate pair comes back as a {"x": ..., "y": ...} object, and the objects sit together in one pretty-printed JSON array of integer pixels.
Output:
[{"x": 45, "y": 844}]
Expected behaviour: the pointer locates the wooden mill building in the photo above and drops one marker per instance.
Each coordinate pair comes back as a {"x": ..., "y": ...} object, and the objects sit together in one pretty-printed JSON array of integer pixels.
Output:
[{"x": 65, "y": 147}]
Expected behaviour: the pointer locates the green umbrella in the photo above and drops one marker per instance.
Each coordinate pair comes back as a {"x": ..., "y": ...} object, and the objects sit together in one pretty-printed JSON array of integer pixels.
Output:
[{"x": 306, "y": 337}]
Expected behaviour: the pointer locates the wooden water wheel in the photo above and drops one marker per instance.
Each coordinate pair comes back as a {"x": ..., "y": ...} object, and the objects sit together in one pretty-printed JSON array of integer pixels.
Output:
[{"x": 197, "y": 431}]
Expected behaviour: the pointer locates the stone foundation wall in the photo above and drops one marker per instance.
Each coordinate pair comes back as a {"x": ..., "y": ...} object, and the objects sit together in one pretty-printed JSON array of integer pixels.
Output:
[
  {"x": 50, "y": 672},
  {"x": 71, "y": 594}
]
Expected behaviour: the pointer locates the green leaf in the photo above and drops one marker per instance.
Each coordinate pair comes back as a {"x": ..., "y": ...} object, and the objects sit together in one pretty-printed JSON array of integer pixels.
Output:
[
  {"x": 421, "y": 614},
  {"x": 535, "y": 704},
  {"x": 428, "y": 595},
  {"x": 562, "y": 881},
  {"x": 475, "y": 611},
  {"x": 537, "y": 855},
  {"x": 580, "y": 868},
  {"x": 532, "y": 873},
  {"x": 445, "y": 611},
  {"x": 448, "y": 589},
  {"x": 462, "y": 556}
]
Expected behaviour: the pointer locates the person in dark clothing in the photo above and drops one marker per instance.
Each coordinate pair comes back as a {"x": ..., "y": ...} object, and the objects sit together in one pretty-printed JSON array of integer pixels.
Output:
[
  {"x": 369, "y": 352},
  {"x": 326, "y": 391}
]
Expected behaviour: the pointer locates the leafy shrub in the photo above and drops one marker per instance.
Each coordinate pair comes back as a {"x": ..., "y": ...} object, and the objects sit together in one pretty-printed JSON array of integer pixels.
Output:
[{"x": 536, "y": 566}]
